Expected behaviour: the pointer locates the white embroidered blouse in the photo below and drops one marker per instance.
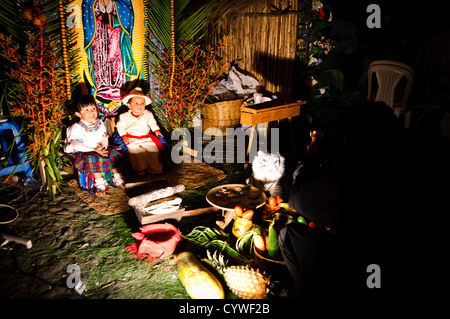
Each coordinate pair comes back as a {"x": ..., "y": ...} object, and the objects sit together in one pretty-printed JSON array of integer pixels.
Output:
[
  {"x": 136, "y": 126},
  {"x": 84, "y": 137}
]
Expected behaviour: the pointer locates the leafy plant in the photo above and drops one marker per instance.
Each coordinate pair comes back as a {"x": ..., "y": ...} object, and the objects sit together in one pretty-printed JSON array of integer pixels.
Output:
[
  {"x": 194, "y": 73},
  {"x": 171, "y": 23},
  {"x": 314, "y": 18},
  {"x": 313, "y": 50},
  {"x": 216, "y": 239},
  {"x": 9, "y": 12},
  {"x": 40, "y": 89},
  {"x": 183, "y": 70}
]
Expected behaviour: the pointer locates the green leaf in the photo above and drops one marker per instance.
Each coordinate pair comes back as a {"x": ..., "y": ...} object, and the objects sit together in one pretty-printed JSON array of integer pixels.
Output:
[
  {"x": 187, "y": 24},
  {"x": 49, "y": 168}
]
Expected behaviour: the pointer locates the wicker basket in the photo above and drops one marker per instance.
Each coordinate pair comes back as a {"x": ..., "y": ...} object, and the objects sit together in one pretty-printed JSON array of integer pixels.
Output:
[
  {"x": 275, "y": 267},
  {"x": 220, "y": 116}
]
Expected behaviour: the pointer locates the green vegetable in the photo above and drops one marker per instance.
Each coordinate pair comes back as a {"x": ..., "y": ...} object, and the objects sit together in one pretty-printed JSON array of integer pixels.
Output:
[
  {"x": 301, "y": 220},
  {"x": 244, "y": 244},
  {"x": 215, "y": 239},
  {"x": 273, "y": 248}
]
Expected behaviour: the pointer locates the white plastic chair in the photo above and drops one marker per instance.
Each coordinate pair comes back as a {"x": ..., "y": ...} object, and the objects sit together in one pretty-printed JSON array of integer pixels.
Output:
[{"x": 388, "y": 76}]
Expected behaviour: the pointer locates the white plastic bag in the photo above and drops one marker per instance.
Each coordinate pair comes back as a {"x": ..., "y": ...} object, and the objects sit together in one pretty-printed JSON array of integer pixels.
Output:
[{"x": 240, "y": 83}]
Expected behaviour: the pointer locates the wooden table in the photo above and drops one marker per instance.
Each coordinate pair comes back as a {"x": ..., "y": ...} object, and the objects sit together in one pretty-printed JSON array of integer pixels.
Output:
[{"x": 266, "y": 112}]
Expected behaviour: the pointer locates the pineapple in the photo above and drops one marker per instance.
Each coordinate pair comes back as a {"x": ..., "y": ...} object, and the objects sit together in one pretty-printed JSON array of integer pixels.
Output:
[{"x": 244, "y": 281}]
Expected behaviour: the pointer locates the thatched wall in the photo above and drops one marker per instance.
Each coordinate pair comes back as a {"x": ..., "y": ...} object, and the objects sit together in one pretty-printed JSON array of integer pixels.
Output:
[{"x": 263, "y": 38}]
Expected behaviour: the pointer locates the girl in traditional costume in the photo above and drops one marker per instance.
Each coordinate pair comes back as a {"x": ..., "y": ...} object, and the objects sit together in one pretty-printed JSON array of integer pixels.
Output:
[
  {"x": 88, "y": 140},
  {"x": 141, "y": 133}
]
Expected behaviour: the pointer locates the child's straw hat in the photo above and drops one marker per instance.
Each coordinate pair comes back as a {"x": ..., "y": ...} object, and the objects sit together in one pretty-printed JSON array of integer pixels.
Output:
[{"x": 136, "y": 92}]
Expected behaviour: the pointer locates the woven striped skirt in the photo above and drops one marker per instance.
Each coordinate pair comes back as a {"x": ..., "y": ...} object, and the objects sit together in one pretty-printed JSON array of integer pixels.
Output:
[{"x": 93, "y": 163}]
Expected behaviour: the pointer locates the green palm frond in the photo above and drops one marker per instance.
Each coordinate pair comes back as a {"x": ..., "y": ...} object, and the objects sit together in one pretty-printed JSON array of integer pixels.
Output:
[
  {"x": 15, "y": 24},
  {"x": 187, "y": 25},
  {"x": 10, "y": 24},
  {"x": 54, "y": 30}
]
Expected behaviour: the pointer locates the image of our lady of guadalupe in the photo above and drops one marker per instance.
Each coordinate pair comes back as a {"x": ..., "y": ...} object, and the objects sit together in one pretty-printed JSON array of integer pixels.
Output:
[{"x": 108, "y": 28}]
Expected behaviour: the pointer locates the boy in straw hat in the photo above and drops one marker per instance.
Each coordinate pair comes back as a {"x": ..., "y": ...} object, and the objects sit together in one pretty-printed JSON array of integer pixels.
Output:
[{"x": 140, "y": 132}]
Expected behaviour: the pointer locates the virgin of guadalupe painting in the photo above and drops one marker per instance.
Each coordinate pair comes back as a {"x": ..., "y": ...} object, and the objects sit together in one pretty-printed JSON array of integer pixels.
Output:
[{"x": 111, "y": 56}]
